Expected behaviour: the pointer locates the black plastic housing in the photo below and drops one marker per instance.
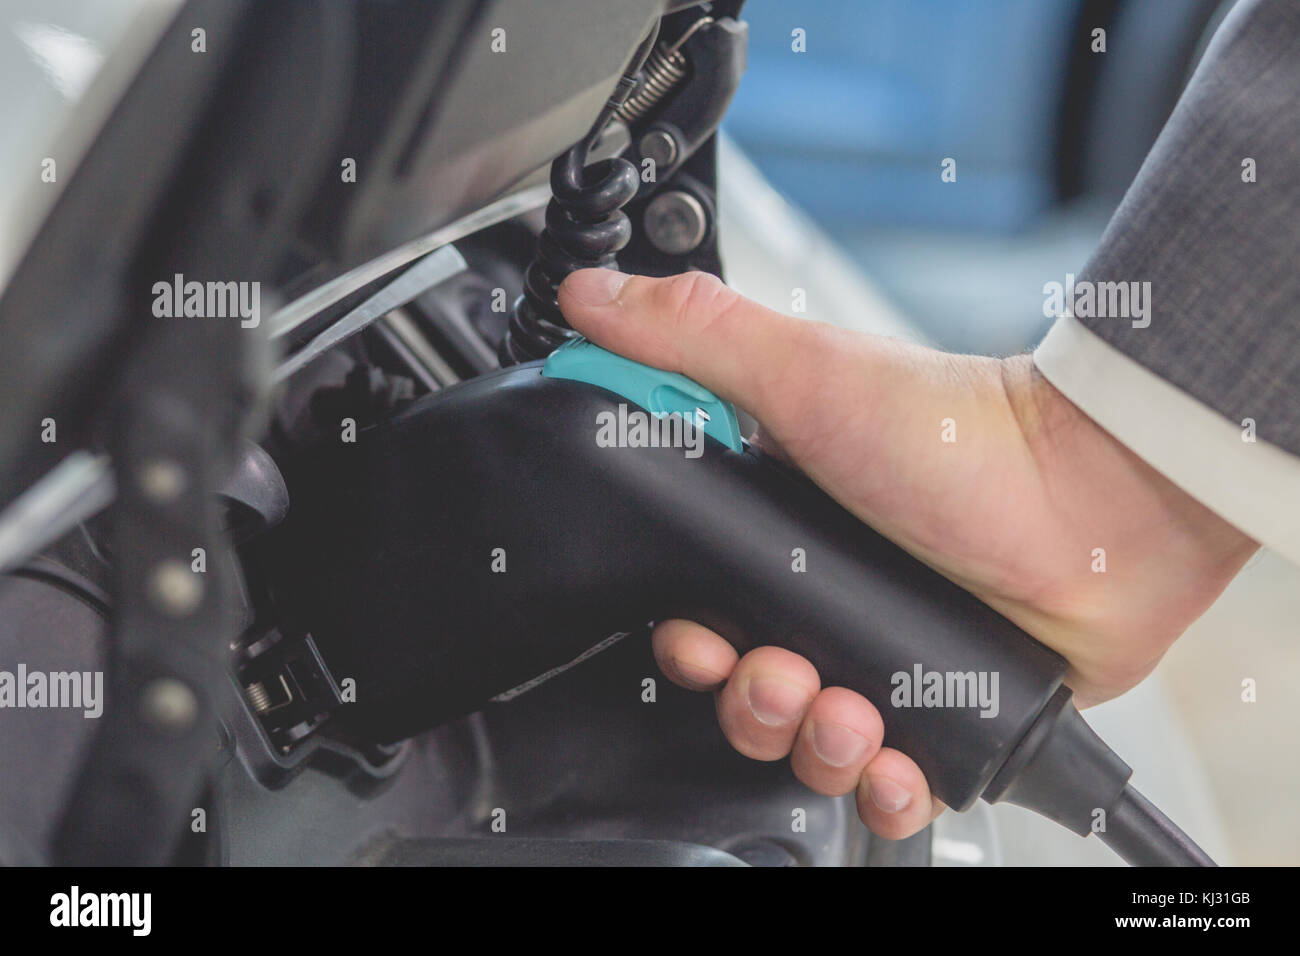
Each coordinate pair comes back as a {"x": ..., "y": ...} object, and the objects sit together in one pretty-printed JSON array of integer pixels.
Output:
[{"x": 387, "y": 559}]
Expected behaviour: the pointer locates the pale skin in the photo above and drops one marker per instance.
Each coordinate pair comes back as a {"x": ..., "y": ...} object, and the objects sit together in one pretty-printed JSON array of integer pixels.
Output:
[{"x": 1013, "y": 511}]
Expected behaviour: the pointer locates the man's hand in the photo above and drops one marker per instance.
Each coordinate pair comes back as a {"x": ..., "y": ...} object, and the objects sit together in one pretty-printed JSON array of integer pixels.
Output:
[{"x": 1013, "y": 510}]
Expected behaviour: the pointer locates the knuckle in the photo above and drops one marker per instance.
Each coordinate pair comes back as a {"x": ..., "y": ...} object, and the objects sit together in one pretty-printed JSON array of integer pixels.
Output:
[
  {"x": 785, "y": 665},
  {"x": 696, "y": 298},
  {"x": 818, "y": 777},
  {"x": 745, "y": 741}
]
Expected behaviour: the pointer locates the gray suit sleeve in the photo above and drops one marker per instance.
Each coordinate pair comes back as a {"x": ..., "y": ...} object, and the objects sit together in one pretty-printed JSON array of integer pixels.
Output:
[{"x": 1212, "y": 222}]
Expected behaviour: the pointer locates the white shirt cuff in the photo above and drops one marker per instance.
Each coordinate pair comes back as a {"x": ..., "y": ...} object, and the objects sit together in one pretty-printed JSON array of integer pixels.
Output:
[{"x": 1250, "y": 484}]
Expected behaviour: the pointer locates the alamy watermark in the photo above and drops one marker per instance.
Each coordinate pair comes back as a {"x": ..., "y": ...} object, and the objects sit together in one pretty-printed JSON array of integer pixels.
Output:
[
  {"x": 923, "y": 688},
  {"x": 634, "y": 428},
  {"x": 1100, "y": 300},
  {"x": 75, "y": 690},
  {"x": 208, "y": 300},
  {"x": 74, "y": 908}
]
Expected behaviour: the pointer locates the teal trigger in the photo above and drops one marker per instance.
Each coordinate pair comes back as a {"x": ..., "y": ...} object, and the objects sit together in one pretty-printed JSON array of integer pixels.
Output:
[{"x": 658, "y": 392}]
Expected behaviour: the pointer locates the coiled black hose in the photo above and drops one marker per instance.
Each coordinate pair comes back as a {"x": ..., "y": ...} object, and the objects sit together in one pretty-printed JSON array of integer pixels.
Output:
[{"x": 585, "y": 229}]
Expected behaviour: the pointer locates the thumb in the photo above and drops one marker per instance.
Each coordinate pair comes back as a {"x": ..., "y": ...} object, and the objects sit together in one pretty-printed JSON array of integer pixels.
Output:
[{"x": 694, "y": 324}]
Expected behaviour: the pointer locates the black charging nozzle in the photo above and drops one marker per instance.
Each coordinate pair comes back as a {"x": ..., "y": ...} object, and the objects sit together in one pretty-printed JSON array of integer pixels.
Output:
[{"x": 601, "y": 538}]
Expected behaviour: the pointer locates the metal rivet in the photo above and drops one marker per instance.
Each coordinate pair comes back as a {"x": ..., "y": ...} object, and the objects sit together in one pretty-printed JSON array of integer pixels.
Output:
[
  {"x": 162, "y": 480},
  {"x": 660, "y": 147},
  {"x": 174, "y": 588},
  {"x": 167, "y": 704},
  {"x": 675, "y": 222}
]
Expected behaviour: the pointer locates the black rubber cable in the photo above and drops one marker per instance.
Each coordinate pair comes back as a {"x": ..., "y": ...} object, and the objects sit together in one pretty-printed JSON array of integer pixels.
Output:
[{"x": 1143, "y": 836}]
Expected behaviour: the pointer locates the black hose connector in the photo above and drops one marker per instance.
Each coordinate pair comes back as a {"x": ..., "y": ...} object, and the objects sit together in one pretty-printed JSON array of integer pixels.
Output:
[{"x": 1064, "y": 771}]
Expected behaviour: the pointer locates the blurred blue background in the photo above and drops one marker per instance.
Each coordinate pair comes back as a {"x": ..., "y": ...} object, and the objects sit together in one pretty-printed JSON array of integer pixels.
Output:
[{"x": 1046, "y": 134}]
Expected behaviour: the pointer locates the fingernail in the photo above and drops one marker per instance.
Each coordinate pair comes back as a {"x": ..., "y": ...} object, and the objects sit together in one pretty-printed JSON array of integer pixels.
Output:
[
  {"x": 595, "y": 287},
  {"x": 838, "y": 745},
  {"x": 888, "y": 795},
  {"x": 776, "y": 702},
  {"x": 695, "y": 674}
]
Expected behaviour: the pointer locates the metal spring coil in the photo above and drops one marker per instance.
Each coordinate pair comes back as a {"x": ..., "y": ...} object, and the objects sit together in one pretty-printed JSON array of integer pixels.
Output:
[
  {"x": 258, "y": 697},
  {"x": 662, "y": 72}
]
